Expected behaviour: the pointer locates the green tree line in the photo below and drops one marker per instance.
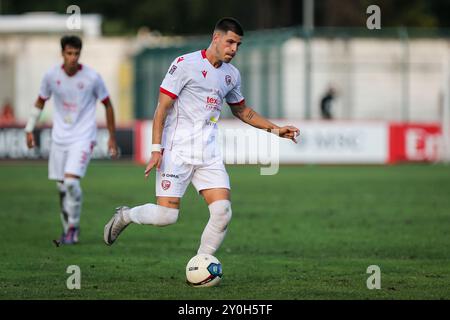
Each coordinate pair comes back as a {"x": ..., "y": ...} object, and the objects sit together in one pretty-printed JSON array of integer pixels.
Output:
[{"x": 198, "y": 16}]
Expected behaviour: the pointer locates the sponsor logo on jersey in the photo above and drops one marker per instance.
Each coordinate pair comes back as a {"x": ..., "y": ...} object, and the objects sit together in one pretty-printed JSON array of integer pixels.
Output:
[
  {"x": 204, "y": 73},
  {"x": 80, "y": 85},
  {"x": 172, "y": 70},
  {"x": 213, "y": 120},
  {"x": 213, "y": 103},
  {"x": 210, "y": 100},
  {"x": 58, "y": 82},
  {"x": 165, "y": 184},
  {"x": 228, "y": 79},
  {"x": 69, "y": 106},
  {"x": 68, "y": 119}
]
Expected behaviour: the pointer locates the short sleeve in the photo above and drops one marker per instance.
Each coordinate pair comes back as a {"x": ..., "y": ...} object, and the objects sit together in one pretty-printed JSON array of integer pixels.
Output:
[
  {"x": 235, "y": 97},
  {"x": 45, "y": 91},
  {"x": 175, "y": 80},
  {"x": 100, "y": 90}
]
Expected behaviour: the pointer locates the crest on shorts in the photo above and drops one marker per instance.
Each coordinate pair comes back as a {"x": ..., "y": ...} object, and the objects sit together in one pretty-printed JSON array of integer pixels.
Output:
[
  {"x": 228, "y": 79},
  {"x": 165, "y": 184}
]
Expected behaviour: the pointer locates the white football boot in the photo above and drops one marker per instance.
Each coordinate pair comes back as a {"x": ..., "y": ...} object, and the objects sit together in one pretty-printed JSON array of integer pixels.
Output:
[{"x": 115, "y": 226}]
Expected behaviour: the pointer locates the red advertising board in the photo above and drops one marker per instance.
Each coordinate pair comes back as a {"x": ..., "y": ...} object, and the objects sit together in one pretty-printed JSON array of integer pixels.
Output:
[{"x": 414, "y": 142}]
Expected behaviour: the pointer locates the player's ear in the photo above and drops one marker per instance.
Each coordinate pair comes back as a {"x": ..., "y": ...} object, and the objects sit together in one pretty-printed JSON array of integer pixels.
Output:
[{"x": 216, "y": 36}]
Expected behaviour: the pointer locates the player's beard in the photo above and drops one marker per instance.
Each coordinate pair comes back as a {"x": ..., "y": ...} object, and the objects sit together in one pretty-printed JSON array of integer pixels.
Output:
[{"x": 228, "y": 58}]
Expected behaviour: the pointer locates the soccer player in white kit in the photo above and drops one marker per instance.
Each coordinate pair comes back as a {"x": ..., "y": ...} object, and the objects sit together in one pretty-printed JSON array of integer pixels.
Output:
[
  {"x": 184, "y": 139},
  {"x": 75, "y": 89}
]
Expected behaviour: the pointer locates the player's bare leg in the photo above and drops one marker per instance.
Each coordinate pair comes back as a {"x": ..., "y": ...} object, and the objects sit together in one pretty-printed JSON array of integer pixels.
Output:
[
  {"x": 164, "y": 213},
  {"x": 212, "y": 195},
  {"x": 169, "y": 202},
  {"x": 219, "y": 205}
]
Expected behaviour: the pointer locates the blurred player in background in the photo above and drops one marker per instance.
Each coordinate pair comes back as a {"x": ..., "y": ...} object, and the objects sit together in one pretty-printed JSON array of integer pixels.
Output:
[
  {"x": 326, "y": 103},
  {"x": 75, "y": 88},
  {"x": 184, "y": 142}
]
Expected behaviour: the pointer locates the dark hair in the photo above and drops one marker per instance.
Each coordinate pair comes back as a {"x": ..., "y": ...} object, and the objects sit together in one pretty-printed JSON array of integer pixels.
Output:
[
  {"x": 72, "y": 41},
  {"x": 229, "y": 24}
]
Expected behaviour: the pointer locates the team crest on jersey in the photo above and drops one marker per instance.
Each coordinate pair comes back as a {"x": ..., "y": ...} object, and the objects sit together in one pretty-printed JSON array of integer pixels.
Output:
[
  {"x": 228, "y": 79},
  {"x": 180, "y": 59},
  {"x": 165, "y": 184},
  {"x": 58, "y": 82},
  {"x": 80, "y": 85},
  {"x": 172, "y": 70},
  {"x": 204, "y": 72}
]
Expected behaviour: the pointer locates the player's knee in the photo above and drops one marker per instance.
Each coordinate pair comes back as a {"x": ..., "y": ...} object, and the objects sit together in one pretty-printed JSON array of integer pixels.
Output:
[
  {"x": 73, "y": 187},
  {"x": 221, "y": 213},
  {"x": 166, "y": 216}
]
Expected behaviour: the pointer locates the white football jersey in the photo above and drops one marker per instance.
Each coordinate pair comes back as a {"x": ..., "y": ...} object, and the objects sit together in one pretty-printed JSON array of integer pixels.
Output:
[
  {"x": 75, "y": 100},
  {"x": 200, "y": 89}
]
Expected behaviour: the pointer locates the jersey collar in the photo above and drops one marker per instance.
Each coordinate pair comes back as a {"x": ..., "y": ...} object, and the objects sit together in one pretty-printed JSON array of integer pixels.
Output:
[
  {"x": 80, "y": 67},
  {"x": 203, "y": 52}
]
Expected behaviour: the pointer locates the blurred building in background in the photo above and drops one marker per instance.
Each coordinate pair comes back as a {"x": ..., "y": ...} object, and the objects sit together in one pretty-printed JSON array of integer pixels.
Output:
[
  {"x": 393, "y": 75},
  {"x": 30, "y": 45},
  {"x": 46, "y": 23},
  {"x": 378, "y": 76}
]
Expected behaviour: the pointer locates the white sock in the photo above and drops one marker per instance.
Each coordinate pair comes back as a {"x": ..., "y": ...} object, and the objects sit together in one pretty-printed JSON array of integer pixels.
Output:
[
  {"x": 216, "y": 229},
  {"x": 62, "y": 203},
  {"x": 151, "y": 214},
  {"x": 74, "y": 197}
]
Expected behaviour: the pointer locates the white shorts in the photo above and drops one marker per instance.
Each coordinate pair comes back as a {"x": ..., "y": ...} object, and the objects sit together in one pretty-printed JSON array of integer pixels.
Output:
[
  {"x": 174, "y": 176},
  {"x": 73, "y": 159}
]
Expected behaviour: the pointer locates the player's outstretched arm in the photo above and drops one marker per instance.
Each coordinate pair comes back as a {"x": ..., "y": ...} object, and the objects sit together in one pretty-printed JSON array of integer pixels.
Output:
[
  {"x": 164, "y": 104},
  {"x": 32, "y": 120},
  {"x": 251, "y": 117},
  {"x": 111, "y": 124}
]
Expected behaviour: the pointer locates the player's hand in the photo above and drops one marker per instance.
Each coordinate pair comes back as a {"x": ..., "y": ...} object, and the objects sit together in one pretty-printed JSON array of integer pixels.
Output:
[
  {"x": 30, "y": 139},
  {"x": 112, "y": 148},
  {"x": 155, "y": 161},
  {"x": 289, "y": 132}
]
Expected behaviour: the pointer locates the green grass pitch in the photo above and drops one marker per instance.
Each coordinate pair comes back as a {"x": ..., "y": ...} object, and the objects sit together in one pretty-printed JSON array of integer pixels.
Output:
[{"x": 309, "y": 232}]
